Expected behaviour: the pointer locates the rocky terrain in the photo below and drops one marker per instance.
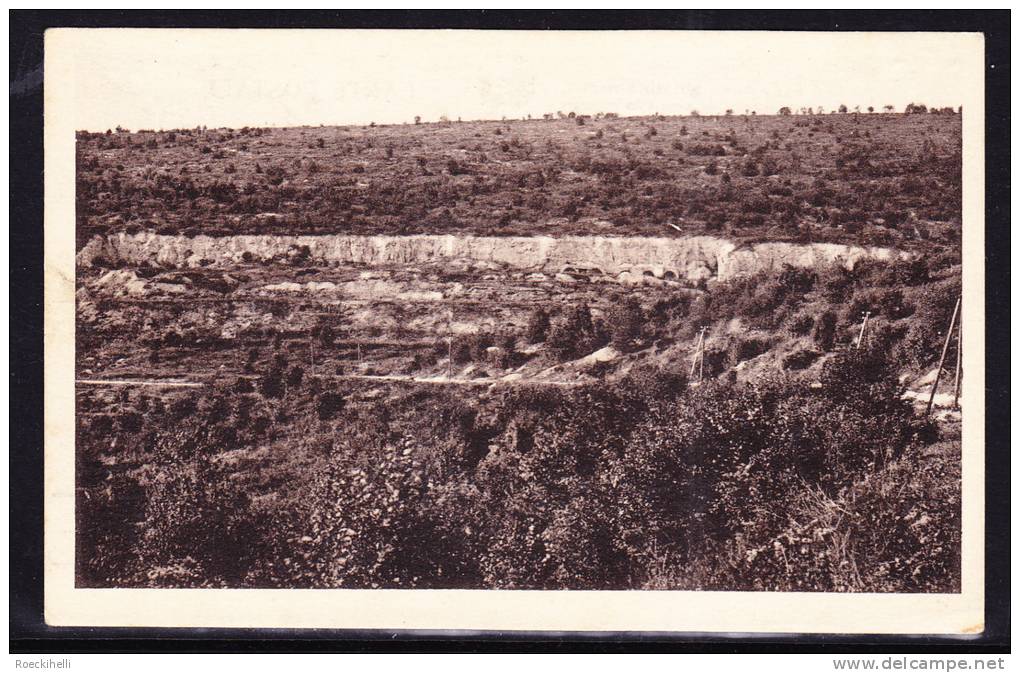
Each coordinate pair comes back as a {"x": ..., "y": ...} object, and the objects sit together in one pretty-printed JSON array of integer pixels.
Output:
[
  {"x": 301, "y": 384},
  {"x": 627, "y": 259}
]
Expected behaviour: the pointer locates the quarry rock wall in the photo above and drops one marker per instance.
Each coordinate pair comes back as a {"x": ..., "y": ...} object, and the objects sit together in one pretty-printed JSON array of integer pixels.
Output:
[{"x": 693, "y": 258}]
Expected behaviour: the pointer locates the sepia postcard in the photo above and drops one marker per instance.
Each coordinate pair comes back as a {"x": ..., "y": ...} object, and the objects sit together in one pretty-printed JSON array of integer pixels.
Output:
[{"x": 671, "y": 331}]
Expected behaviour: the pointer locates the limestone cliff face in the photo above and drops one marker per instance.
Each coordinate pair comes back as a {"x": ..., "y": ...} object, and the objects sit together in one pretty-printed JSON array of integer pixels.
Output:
[{"x": 695, "y": 257}]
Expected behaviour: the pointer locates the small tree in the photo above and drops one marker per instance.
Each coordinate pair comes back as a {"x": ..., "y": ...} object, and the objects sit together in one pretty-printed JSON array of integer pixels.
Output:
[
  {"x": 824, "y": 332},
  {"x": 272, "y": 383},
  {"x": 329, "y": 405},
  {"x": 573, "y": 334},
  {"x": 626, "y": 320},
  {"x": 785, "y": 111},
  {"x": 538, "y": 326}
]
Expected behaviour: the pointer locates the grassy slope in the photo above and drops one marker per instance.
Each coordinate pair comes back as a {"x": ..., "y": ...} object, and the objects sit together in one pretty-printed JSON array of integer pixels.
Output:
[{"x": 890, "y": 179}]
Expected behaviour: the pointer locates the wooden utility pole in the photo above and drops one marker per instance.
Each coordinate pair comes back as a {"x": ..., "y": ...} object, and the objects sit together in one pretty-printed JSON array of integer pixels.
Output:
[
  {"x": 449, "y": 343},
  {"x": 942, "y": 359},
  {"x": 701, "y": 361},
  {"x": 864, "y": 325},
  {"x": 959, "y": 365},
  {"x": 699, "y": 357},
  {"x": 694, "y": 358},
  {"x": 311, "y": 353}
]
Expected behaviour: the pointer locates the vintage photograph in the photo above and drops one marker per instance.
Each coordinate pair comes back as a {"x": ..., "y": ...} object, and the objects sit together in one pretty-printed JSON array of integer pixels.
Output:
[{"x": 606, "y": 327}]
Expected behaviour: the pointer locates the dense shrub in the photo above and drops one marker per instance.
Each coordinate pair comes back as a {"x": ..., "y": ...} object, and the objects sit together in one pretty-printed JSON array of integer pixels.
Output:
[
  {"x": 295, "y": 376},
  {"x": 200, "y": 530},
  {"x": 800, "y": 359},
  {"x": 471, "y": 347},
  {"x": 742, "y": 349},
  {"x": 836, "y": 282},
  {"x": 574, "y": 334},
  {"x": 922, "y": 345},
  {"x": 644, "y": 482},
  {"x": 537, "y": 327},
  {"x": 801, "y": 324},
  {"x": 895, "y": 530},
  {"x": 824, "y": 331},
  {"x": 272, "y": 384},
  {"x": 625, "y": 319},
  {"x": 328, "y": 405},
  {"x": 107, "y": 508}
]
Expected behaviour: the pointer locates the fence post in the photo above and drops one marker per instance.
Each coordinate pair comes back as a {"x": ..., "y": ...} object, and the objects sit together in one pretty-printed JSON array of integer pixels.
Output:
[
  {"x": 942, "y": 358},
  {"x": 860, "y": 337},
  {"x": 697, "y": 351},
  {"x": 698, "y": 361},
  {"x": 311, "y": 353},
  {"x": 959, "y": 365},
  {"x": 701, "y": 366}
]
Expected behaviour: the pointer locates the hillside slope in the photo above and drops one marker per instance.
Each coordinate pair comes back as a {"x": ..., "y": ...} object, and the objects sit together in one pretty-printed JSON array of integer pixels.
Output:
[{"x": 875, "y": 179}]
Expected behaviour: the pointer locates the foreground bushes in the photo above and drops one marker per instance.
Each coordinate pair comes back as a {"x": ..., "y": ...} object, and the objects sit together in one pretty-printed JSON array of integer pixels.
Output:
[
  {"x": 895, "y": 530},
  {"x": 644, "y": 483}
]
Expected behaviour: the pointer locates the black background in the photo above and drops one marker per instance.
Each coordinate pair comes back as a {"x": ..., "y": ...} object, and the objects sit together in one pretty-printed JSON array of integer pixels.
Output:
[{"x": 29, "y": 634}]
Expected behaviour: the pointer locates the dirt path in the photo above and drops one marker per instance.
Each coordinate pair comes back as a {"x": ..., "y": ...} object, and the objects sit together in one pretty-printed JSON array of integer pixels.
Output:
[
  {"x": 443, "y": 380},
  {"x": 403, "y": 378},
  {"x": 942, "y": 400},
  {"x": 139, "y": 382}
]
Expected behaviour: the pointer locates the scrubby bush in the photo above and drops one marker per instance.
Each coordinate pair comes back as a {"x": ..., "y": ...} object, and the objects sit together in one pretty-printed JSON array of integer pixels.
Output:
[
  {"x": 824, "y": 331},
  {"x": 272, "y": 384},
  {"x": 199, "y": 528},
  {"x": 471, "y": 347},
  {"x": 801, "y": 324},
  {"x": 836, "y": 282},
  {"x": 328, "y": 405},
  {"x": 537, "y": 327},
  {"x": 130, "y": 422},
  {"x": 638, "y": 483},
  {"x": 107, "y": 508},
  {"x": 626, "y": 321},
  {"x": 295, "y": 376},
  {"x": 375, "y": 524},
  {"x": 894, "y": 530},
  {"x": 926, "y": 335},
  {"x": 742, "y": 349},
  {"x": 800, "y": 359},
  {"x": 574, "y": 334}
]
